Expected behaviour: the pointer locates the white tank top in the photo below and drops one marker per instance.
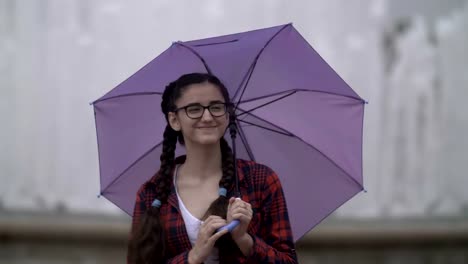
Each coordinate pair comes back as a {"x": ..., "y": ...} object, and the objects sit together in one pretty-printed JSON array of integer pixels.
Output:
[{"x": 192, "y": 225}]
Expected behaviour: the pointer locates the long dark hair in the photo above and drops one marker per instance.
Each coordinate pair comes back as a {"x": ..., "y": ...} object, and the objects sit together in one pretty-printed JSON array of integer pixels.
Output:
[{"x": 147, "y": 244}]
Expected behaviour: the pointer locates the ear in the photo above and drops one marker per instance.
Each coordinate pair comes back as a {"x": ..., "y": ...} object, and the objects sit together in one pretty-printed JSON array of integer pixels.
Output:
[{"x": 174, "y": 121}]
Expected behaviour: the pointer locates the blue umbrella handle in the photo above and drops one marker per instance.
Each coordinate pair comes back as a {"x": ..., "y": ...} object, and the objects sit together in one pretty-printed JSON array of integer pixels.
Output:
[{"x": 229, "y": 226}]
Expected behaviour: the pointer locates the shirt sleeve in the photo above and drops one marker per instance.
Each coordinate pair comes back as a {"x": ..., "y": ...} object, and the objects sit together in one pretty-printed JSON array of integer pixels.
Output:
[
  {"x": 138, "y": 211},
  {"x": 182, "y": 258},
  {"x": 278, "y": 244}
]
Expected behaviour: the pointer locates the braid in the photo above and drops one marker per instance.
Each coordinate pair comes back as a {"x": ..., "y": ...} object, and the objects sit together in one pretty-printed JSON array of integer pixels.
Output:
[
  {"x": 219, "y": 206},
  {"x": 227, "y": 164},
  {"x": 167, "y": 163},
  {"x": 148, "y": 243},
  {"x": 225, "y": 244}
]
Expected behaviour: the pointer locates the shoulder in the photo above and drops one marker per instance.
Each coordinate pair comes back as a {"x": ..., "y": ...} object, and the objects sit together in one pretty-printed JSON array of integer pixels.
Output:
[
  {"x": 257, "y": 173},
  {"x": 148, "y": 189}
]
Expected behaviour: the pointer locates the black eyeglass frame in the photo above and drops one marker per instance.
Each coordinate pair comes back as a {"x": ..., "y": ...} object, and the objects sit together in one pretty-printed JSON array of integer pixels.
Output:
[{"x": 227, "y": 108}]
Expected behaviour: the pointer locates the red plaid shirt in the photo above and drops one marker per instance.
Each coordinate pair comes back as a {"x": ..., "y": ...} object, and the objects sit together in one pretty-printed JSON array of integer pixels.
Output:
[{"x": 269, "y": 227}]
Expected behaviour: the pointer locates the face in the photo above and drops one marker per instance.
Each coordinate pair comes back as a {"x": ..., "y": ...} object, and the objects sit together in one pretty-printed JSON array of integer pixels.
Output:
[{"x": 207, "y": 129}]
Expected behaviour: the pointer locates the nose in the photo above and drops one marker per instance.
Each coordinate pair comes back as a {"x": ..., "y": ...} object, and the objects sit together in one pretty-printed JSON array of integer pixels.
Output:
[{"x": 206, "y": 116}]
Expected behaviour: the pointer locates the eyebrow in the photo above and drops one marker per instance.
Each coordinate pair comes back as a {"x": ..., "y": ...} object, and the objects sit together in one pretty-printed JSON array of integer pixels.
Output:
[
  {"x": 210, "y": 103},
  {"x": 216, "y": 101}
]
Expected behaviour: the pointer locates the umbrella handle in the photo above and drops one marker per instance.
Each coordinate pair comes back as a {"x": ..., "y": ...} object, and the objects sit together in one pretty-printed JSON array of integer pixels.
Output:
[{"x": 229, "y": 226}]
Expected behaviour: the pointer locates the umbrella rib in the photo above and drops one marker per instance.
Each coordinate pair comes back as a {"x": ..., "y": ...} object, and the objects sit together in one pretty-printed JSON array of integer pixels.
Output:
[
  {"x": 266, "y": 128},
  {"x": 299, "y": 90},
  {"x": 119, "y": 206},
  {"x": 328, "y": 214},
  {"x": 196, "y": 54},
  {"x": 216, "y": 43},
  {"x": 244, "y": 141},
  {"x": 323, "y": 154},
  {"x": 98, "y": 147},
  {"x": 287, "y": 133},
  {"x": 245, "y": 81},
  {"x": 267, "y": 103},
  {"x": 125, "y": 95},
  {"x": 130, "y": 166},
  {"x": 333, "y": 162},
  {"x": 146, "y": 93},
  {"x": 254, "y": 63}
]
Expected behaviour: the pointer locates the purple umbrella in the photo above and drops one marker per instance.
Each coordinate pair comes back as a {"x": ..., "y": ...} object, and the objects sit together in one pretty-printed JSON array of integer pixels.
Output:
[{"x": 294, "y": 114}]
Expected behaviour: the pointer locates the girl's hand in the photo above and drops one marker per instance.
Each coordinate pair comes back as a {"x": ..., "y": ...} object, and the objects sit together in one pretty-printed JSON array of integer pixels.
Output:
[
  {"x": 242, "y": 211},
  {"x": 206, "y": 239}
]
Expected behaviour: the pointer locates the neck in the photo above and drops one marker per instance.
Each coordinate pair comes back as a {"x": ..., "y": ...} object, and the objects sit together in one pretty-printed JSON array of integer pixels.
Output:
[{"x": 203, "y": 161}]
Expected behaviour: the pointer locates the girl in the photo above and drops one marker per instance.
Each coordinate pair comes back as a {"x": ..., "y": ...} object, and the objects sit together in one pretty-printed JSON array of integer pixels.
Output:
[{"x": 179, "y": 210}]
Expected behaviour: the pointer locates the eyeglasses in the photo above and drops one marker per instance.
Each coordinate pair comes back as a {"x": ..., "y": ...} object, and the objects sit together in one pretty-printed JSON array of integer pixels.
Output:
[{"x": 196, "y": 111}]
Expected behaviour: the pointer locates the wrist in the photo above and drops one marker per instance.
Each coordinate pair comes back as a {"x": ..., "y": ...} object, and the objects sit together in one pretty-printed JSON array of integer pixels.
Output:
[
  {"x": 242, "y": 239},
  {"x": 245, "y": 244},
  {"x": 192, "y": 258}
]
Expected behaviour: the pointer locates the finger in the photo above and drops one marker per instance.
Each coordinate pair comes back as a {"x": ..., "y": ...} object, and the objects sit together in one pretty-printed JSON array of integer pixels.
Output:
[
  {"x": 213, "y": 225},
  {"x": 244, "y": 211},
  {"x": 241, "y": 203},
  {"x": 205, "y": 226},
  {"x": 245, "y": 204},
  {"x": 243, "y": 218},
  {"x": 238, "y": 200},
  {"x": 211, "y": 230},
  {"x": 241, "y": 211},
  {"x": 248, "y": 208},
  {"x": 237, "y": 204},
  {"x": 216, "y": 222},
  {"x": 210, "y": 218}
]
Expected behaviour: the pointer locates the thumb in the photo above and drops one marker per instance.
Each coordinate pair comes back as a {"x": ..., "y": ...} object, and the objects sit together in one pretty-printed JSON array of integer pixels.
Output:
[{"x": 231, "y": 201}]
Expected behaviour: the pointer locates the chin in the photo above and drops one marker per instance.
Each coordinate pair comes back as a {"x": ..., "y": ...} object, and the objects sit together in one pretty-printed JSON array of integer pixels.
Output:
[{"x": 207, "y": 140}]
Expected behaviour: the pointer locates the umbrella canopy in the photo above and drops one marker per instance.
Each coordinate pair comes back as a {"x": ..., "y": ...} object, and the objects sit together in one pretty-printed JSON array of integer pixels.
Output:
[{"x": 294, "y": 114}]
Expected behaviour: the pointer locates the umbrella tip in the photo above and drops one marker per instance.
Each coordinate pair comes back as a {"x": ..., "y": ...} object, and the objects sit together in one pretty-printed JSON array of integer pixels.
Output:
[
  {"x": 99, "y": 195},
  {"x": 365, "y": 190},
  {"x": 366, "y": 102}
]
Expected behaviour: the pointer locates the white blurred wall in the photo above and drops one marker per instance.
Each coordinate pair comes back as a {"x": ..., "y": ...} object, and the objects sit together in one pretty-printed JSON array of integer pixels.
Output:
[{"x": 407, "y": 58}]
